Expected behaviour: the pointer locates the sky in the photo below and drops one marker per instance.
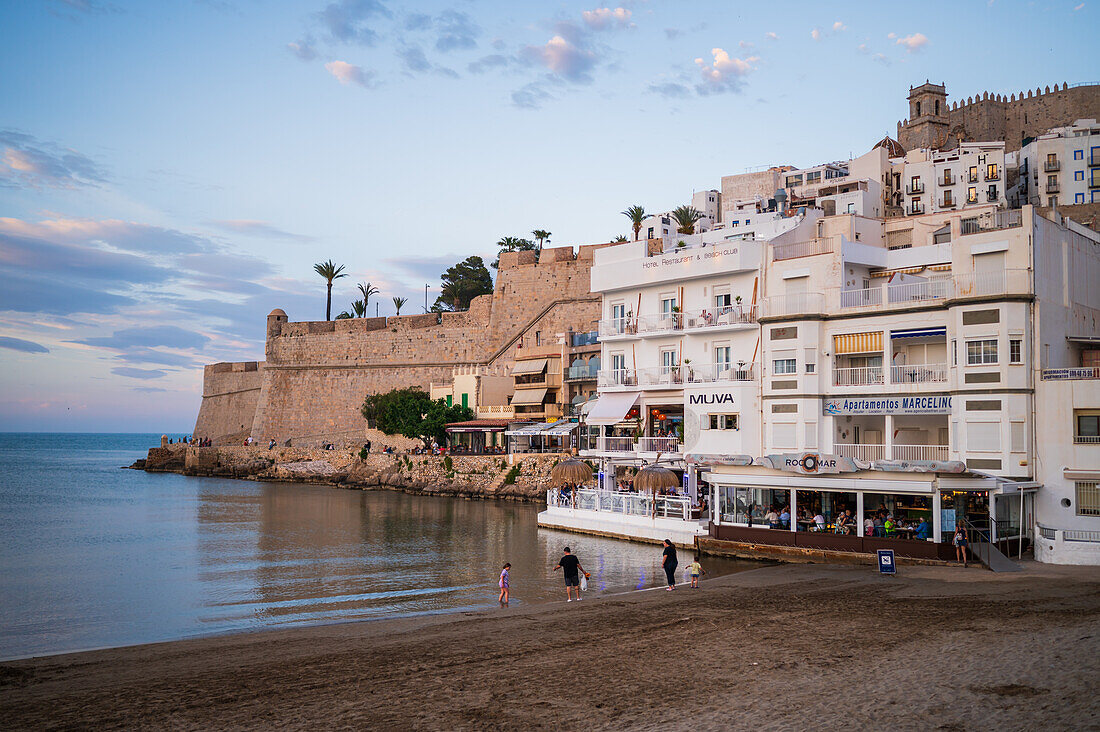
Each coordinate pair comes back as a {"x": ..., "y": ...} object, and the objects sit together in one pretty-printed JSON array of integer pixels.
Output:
[{"x": 171, "y": 171}]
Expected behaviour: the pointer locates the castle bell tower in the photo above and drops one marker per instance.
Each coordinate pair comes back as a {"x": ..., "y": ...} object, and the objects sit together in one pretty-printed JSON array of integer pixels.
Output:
[{"x": 928, "y": 121}]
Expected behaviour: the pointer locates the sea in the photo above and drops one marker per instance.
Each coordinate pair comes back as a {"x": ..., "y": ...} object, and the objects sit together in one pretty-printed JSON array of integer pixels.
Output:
[{"x": 95, "y": 556}]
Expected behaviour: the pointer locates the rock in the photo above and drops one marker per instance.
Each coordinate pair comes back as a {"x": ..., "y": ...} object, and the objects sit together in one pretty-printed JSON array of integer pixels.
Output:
[{"x": 305, "y": 470}]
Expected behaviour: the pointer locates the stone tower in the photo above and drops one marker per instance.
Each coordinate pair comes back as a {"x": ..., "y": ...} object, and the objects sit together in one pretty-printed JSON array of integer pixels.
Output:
[{"x": 928, "y": 118}]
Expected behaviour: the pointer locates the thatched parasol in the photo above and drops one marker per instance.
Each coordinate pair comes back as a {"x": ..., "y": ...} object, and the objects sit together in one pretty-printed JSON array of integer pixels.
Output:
[
  {"x": 571, "y": 471},
  {"x": 653, "y": 478}
]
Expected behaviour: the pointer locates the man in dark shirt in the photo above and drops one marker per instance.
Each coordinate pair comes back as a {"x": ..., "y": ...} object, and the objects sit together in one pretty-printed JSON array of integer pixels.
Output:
[
  {"x": 668, "y": 563},
  {"x": 571, "y": 568}
]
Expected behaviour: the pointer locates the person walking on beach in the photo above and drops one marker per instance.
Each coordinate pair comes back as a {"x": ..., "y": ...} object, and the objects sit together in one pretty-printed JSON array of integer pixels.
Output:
[
  {"x": 696, "y": 571},
  {"x": 959, "y": 540},
  {"x": 571, "y": 568},
  {"x": 668, "y": 563},
  {"x": 503, "y": 599}
]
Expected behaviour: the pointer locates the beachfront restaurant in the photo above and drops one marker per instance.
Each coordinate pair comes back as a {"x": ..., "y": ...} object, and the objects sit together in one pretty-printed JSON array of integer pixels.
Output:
[
  {"x": 558, "y": 436},
  {"x": 476, "y": 436},
  {"x": 826, "y": 502}
]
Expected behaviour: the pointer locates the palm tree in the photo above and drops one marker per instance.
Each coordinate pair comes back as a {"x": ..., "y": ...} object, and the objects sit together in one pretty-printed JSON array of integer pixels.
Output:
[
  {"x": 398, "y": 302},
  {"x": 619, "y": 238},
  {"x": 330, "y": 272},
  {"x": 359, "y": 308},
  {"x": 367, "y": 289},
  {"x": 541, "y": 236},
  {"x": 344, "y": 316},
  {"x": 686, "y": 216},
  {"x": 636, "y": 214}
]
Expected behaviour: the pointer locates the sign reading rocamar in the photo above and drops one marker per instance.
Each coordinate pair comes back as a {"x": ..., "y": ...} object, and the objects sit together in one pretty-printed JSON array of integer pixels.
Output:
[
  {"x": 808, "y": 463},
  {"x": 889, "y": 405}
]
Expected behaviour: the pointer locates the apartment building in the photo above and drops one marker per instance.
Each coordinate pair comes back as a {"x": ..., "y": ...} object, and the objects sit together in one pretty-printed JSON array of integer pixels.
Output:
[
  {"x": 973, "y": 174},
  {"x": 1061, "y": 167}
]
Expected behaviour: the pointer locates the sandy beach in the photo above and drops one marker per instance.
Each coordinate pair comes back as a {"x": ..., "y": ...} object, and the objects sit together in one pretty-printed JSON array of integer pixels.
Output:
[{"x": 782, "y": 647}]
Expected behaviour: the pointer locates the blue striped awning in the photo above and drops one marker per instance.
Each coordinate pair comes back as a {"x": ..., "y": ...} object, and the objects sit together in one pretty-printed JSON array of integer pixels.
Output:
[{"x": 919, "y": 333}]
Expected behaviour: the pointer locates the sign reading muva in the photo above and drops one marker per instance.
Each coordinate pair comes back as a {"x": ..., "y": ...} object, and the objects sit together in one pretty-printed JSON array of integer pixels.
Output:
[{"x": 888, "y": 405}]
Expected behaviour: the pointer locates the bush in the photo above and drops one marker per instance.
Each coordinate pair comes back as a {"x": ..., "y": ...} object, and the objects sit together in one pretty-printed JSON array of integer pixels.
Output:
[
  {"x": 363, "y": 453},
  {"x": 448, "y": 464},
  {"x": 510, "y": 478}
]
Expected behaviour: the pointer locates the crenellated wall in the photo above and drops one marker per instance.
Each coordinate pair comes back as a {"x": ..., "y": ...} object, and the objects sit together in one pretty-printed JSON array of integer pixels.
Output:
[
  {"x": 230, "y": 393},
  {"x": 317, "y": 373},
  {"x": 990, "y": 117}
]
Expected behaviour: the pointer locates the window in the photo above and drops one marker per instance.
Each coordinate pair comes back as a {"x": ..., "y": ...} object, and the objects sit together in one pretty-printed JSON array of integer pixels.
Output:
[
  {"x": 723, "y": 421},
  {"x": 1019, "y": 437},
  {"x": 981, "y": 352},
  {"x": 852, "y": 210},
  {"x": 937, "y": 106},
  {"x": 1052, "y": 201},
  {"x": 954, "y": 353},
  {"x": 450, "y": 400},
  {"x": 1015, "y": 351},
  {"x": 1052, "y": 181},
  {"x": 722, "y": 301},
  {"x": 1088, "y": 497},
  {"x": 991, "y": 171},
  {"x": 1079, "y": 198},
  {"x": 650, "y": 234},
  {"x": 465, "y": 400},
  {"x": 618, "y": 362},
  {"x": 668, "y": 305},
  {"x": 722, "y": 356},
  {"x": 1052, "y": 158},
  {"x": 538, "y": 341},
  {"x": 1078, "y": 154},
  {"x": 810, "y": 368},
  {"x": 668, "y": 360},
  {"x": 1078, "y": 175},
  {"x": 972, "y": 195},
  {"x": 973, "y": 177},
  {"x": 1086, "y": 429},
  {"x": 785, "y": 366}
]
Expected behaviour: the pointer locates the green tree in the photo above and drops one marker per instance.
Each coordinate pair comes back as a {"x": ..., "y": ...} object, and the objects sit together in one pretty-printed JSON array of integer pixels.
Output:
[
  {"x": 367, "y": 289},
  {"x": 462, "y": 283},
  {"x": 412, "y": 413},
  {"x": 513, "y": 244},
  {"x": 398, "y": 302},
  {"x": 636, "y": 214},
  {"x": 330, "y": 272},
  {"x": 685, "y": 217},
  {"x": 619, "y": 238},
  {"x": 345, "y": 315},
  {"x": 541, "y": 236},
  {"x": 359, "y": 308}
]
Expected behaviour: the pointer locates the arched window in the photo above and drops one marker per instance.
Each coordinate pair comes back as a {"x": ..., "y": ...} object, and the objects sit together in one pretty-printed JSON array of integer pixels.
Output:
[{"x": 594, "y": 362}]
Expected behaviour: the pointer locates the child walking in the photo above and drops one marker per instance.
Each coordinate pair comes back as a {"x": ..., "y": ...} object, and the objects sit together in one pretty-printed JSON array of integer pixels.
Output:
[
  {"x": 503, "y": 599},
  {"x": 696, "y": 570}
]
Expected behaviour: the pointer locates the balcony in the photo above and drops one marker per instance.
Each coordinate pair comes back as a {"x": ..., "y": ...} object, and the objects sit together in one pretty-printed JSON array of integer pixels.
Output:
[
  {"x": 667, "y": 445},
  {"x": 796, "y": 249},
  {"x": 728, "y": 316},
  {"x": 995, "y": 222},
  {"x": 1053, "y": 187},
  {"x": 800, "y": 303},
  {"x": 996, "y": 175},
  {"x": 869, "y": 453},
  {"x": 947, "y": 179},
  {"x": 725, "y": 316},
  {"x": 947, "y": 203},
  {"x": 718, "y": 372},
  {"x": 496, "y": 411},
  {"x": 858, "y": 376},
  {"x": 923, "y": 373},
  {"x": 1087, "y": 372},
  {"x": 869, "y": 297},
  {"x": 1000, "y": 282},
  {"x": 1086, "y": 439},
  {"x": 972, "y": 177},
  {"x": 916, "y": 292},
  {"x": 658, "y": 377},
  {"x": 991, "y": 197},
  {"x": 1051, "y": 166},
  {"x": 915, "y": 209},
  {"x": 1094, "y": 160},
  {"x": 589, "y": 338},
  {"x": 914, "y": 189},
  {"x": 615, "y": 444},
  {"x": 582, "y": 373}
]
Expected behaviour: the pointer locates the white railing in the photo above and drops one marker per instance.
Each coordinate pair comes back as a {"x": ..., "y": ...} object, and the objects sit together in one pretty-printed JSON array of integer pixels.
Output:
[
  {"x": 1071, "y": 373},
  {"x": 671, "y": 376},
  {"x": 631, "y": 504},
  {"x": 496, "y": 410},
  {"x": 617, "y": 377},
  {"x": 918, "y": 373},
  {"x": 794, "y": 304},
  {"x": 1080, "y": 535},
  {"x": 999, "y": 220},
  {"x": 796, "y": 249},
  {"x": 712, "y": 372},
  {"x": 919, "y": 452},
  {"x": 861, "y": 298},
  {"x": 612, "y": 327},
  {"x": 866, "y": 453},
  {"x": 658, "y": 444},
  {"x": 999, "y": 282},
  {"x": 1086, "y": 440},
  {"x": 615, "y": 444},
  {"x": 939, "y": 289},
  {"x": 858, "y": 376},
  {"x": 725, "y": 315}
]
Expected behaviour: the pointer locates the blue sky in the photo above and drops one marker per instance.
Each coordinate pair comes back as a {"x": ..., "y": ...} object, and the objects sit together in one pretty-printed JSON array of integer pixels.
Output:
[{"x": 170, "y": 171}]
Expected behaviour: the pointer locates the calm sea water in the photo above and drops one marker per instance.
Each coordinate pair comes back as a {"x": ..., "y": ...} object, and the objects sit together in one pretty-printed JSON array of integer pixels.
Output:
[{"x": 95, "y": 556}]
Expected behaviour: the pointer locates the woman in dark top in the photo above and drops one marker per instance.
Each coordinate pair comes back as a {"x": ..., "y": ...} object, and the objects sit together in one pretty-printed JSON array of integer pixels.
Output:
[{"x": 668, "y": 562}]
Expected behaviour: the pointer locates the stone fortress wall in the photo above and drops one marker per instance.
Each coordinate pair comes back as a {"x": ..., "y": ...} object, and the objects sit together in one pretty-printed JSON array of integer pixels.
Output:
[
  {"x": 317, "y": 373},
  {"x": 991, "y": 117}
]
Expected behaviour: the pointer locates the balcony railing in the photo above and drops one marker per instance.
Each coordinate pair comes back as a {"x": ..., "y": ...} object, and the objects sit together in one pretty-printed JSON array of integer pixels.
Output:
[
  {"x": 617, "y": 377},
  {"x": 795, "y": 304},
  {"x": 1050, "y": 166},
  {"x": 947, "y": 180},
  {"x": 914, "y": 189},
  {"x": 868, "y": 453},
  {"x": 1086, "y": 439},
  {"x": 999, "y": 282},
  {"x": 588, "y": 338},
  {"x": 947, "y": 203},
  {"x": 923, "y": 373},
  {"x": 581, "y": 373},
  {"x": 495, "y": 410},
  {"x": 612, "y": 327},
  {"x": 796, "y": 249},
  {"x": 725, "y": 315},
  {"x": 858, "y": 376},
  {"x": 632, "y": 504},
  {"x": 615, "y": 444},
  {"x": 666, "y": 445},
  {"x": 861, "y": 298},
  {"x": 1087, "y": 372},
  {"x": 658, "y": 376},
  {"x": 999, "y": 220},
  {"x": 1053, "y": 187},
  {"x": 996, "y": 175},
  {"x": 670, "y": 322},
  {"x": 916, "y": 209},
  {"x": 709, "y": 373},
  {"x": 909, "y": 292}
]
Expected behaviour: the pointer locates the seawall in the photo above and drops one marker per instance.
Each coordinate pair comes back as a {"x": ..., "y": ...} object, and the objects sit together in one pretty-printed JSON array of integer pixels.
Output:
[{"x": 470, "y": 476}]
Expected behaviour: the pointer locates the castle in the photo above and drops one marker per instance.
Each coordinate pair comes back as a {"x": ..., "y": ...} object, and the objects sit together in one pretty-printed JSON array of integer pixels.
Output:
[
  {"x": 316, "y": 374},
  {"x": 934, "y": 124}
]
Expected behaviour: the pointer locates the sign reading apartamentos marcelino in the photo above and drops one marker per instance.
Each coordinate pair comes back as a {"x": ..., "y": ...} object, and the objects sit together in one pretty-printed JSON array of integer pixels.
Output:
[{"x": 889, "y": 405}]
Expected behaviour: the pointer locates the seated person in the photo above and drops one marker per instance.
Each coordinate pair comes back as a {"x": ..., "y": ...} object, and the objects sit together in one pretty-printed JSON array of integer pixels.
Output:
[
  {"x": 772, "y": 518},
  {"x": 924, "y": 529},
  {"x": 890, "y": 527},
  {"x": 819, "y": 522},
  {"x": 785, "y": 518}
]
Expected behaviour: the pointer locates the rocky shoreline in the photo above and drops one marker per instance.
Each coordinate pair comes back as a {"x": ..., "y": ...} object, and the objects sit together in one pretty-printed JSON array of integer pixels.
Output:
[{"x": 468, "y": 476}]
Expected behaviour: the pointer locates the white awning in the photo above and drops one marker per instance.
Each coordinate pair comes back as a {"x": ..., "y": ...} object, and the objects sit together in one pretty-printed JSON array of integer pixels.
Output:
[
  {"x": 534, "y": 366},
  {"x": 528, "y": 397},
  {"x": 529, "y": 430},
  {"x": 561, "y": 428},
  {"x": 611, "y": 407}
]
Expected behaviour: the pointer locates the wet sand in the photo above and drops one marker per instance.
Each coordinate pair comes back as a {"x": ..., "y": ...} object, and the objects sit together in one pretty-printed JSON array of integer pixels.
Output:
[{"x": 785, "y": 647}]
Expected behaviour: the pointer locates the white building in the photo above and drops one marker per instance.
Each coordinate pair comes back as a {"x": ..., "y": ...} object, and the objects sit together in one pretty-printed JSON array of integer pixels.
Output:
[
  {"x": 1062, "y": 167},
  {"x": 973, "y": 174}
]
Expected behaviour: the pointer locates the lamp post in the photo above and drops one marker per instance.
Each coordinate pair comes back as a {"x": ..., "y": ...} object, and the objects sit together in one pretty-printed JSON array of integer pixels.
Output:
[{"x": 425, "y": 298}]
